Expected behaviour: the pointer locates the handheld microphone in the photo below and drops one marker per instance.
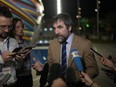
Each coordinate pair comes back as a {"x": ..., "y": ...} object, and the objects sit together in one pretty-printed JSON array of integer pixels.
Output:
[
  {"x": 44, "y": 75},
  {"x": 70, "y": 77},
  {"x": 77, "y": 59},
  {"x": 54, "y": 73}
]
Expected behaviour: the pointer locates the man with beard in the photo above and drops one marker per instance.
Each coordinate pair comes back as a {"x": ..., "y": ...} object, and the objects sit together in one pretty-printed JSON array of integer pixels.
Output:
[
  {"x": 62, "y": 25},
  {"x": 7, "y": 45}
]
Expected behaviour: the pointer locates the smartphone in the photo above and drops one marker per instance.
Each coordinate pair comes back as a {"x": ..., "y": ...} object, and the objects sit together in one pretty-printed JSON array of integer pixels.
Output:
[
  {"x": 110, "y": 57},
  {"x": 17, "y": 49},
  {"x": 96, "y": 52},
  {"x": 29, "y": 47},
  {"x": 26, "y": 49}
]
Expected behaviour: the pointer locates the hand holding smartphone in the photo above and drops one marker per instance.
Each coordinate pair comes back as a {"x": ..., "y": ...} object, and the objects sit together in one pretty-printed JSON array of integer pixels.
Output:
[
  {"x": 27, "y": 49},
  {"x": 21, "y": 50},
  {"x": 17, "y": 49}
]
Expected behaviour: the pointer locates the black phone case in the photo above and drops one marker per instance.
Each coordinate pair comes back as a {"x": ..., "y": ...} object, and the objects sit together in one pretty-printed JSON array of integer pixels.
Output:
[{"x": 17, "y": 49}]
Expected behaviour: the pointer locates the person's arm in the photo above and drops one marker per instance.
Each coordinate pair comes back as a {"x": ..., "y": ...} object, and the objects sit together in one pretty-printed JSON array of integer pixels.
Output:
[
  {"x": 90, "y": 61},
  {"x": 87, "y": 80}
]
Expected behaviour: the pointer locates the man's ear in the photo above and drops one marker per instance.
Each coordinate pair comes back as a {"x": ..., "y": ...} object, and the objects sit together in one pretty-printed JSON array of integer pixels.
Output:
[{"x": 70, "y": 28}]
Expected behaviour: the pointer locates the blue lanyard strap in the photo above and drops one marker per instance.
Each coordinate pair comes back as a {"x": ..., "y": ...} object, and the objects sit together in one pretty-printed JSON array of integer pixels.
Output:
[{"x": 8, "y": 44}]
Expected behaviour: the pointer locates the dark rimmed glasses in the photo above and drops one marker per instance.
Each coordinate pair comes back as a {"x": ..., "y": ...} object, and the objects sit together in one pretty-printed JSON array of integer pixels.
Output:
[{"x": 6, "y": 26}]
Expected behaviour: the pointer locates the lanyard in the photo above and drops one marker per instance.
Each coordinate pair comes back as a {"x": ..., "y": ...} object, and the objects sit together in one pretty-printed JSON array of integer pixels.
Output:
[{"x": 8, "y": 44}]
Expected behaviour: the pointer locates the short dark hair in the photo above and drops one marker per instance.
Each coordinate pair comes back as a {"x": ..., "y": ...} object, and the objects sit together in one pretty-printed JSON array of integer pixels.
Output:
[
  {"x": 4, "y": 11},
  {"x": 14, "y": 22},
  {"x": 65, "y": 17}
]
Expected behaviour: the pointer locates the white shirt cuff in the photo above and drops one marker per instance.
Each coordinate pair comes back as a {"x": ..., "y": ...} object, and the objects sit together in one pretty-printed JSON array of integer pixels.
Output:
[{"x": 1, "y": 60}]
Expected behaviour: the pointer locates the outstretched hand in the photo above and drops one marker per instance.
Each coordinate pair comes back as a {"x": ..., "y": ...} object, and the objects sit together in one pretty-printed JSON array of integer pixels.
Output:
[
  {"x": 108, "y": 63},
  {"x": 37, "y": 65},
  {"x": 86, "y": 78}
]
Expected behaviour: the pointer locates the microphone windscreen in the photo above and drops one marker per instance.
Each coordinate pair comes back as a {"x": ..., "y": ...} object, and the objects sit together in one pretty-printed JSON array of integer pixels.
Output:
[
  {"x": 44, "y": 75},
  {"x": 77, "y": 59},
  {"x": 54, "y": 72},
  {"x": 70, "y": 77}
]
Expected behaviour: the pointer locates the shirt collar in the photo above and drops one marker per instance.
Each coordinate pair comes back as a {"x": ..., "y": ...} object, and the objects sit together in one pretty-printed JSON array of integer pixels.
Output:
[
  {"x": 70, "y": 38},
  {"x": 5, "y": 40}
]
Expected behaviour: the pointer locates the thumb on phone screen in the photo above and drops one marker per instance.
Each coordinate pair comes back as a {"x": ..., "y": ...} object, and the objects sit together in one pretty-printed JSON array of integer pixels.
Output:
[
  {"x": 33, "y": 60},
  {"x": 37, "y": 65}
]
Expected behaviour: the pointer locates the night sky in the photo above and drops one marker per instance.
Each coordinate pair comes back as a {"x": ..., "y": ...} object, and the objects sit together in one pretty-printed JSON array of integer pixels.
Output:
[{"x": 87, "y": 7}]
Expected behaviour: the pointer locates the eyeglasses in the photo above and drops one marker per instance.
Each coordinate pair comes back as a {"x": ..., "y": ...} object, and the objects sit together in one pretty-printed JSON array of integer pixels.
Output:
[{"x": 6, "y": 26}]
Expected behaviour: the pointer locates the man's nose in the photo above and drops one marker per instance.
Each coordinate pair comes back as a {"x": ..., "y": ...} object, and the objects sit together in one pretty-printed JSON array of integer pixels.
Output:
[
  {"x": 56, "y": 31},
  {"x": 6, "y": 29}
]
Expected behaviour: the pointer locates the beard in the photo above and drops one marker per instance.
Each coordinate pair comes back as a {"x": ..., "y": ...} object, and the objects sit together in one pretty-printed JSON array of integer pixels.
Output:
[
  {"x": 4, "y": 35},
  {"x": 61, "y": 38}
]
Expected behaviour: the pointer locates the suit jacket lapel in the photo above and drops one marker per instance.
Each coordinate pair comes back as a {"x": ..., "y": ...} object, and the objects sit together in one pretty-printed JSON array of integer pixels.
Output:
[
  {"x": 56, "y": 52},
  {"x": 73, "y": 46}
]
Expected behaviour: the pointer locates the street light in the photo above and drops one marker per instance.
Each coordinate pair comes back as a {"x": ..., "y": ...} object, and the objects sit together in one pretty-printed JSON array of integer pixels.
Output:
[
  {"x": 78, "y": 16},
  {"x": 59, "y": 6},
  {"x": 97, "y": 10}
]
